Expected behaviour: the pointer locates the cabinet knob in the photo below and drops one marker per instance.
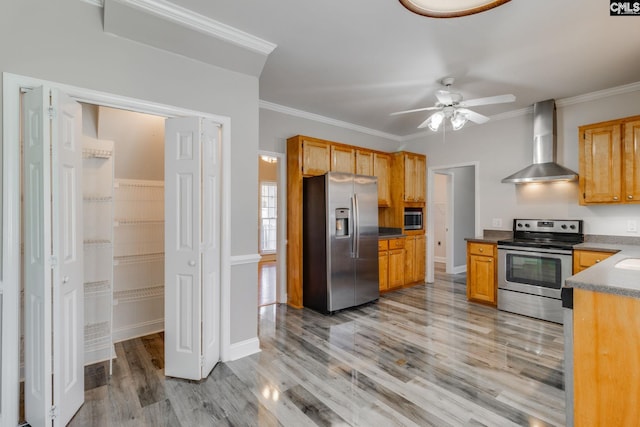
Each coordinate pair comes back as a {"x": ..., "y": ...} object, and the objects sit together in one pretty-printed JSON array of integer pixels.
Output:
[
  {"x": 481, "y": 249},
  {"x": 629, "y": 197},
  {"x": 615, "y": 197},
  {"x": 597, "y": 261}
]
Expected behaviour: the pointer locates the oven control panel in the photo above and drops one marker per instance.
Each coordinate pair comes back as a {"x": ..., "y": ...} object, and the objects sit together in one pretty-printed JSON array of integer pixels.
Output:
[{"x": 548, "y": 225}]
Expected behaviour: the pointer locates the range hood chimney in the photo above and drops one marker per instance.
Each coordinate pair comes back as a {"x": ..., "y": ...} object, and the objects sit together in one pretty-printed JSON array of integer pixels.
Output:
[{"x": 544, "y": 167}]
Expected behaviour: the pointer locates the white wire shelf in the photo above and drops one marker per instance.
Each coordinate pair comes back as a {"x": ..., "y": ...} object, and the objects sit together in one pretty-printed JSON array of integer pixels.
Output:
[
  {"x": 96, "y": 242},
  {"x": 133, "y": 295},
  {"x": 96, "y": 153},
  {"x": 98, "y": 199},
  {"x": 138, "y": 259},
  {"x": 119, "y": 222},
  {"x": 96, "y": 289}
]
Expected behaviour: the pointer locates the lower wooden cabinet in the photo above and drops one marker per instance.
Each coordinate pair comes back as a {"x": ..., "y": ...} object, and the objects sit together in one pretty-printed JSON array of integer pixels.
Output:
[
  {"x": 482, "y": 273},
  {"x": 583, "y": 259},
  {"x": 383, "y": 265},
  {"x": 415, "y": 262},
  {"x": 396, "y": 268}
]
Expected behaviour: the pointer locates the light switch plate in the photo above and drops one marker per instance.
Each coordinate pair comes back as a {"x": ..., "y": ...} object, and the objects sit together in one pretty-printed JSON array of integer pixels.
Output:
[
  {"x": 496, "y": 222},
  {"x": 632, "y": 226}
]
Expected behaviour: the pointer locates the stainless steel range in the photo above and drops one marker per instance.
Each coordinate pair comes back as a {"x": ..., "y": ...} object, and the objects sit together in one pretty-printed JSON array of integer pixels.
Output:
[{"x": 534, "y": 264}]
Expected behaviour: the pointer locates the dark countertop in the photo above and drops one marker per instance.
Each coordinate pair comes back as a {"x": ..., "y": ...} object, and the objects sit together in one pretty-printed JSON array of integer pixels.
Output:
[
  {"x": 390, "y": 233},
  {"x": 605, "y": 277},
  {"x": 491, "y": 236}
]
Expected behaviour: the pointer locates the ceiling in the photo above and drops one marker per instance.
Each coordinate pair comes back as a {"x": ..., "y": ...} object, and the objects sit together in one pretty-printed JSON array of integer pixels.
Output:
[{"x": 359, "y": 60}]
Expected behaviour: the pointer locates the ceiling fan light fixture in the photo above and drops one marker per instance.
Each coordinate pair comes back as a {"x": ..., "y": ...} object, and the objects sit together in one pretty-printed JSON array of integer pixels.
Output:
[
  {"x": 458, "y": 120},
  {"x": 450, "y": 8},
  {"x": 433, "y": 122}
]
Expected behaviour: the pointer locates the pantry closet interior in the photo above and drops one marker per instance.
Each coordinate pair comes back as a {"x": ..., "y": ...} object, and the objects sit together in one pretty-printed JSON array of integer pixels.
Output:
[{"x": 123, "y": 226}]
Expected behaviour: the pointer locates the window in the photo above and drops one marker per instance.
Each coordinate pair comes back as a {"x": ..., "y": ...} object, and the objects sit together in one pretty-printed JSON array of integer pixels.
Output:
[{"x": 268, "y": 216}]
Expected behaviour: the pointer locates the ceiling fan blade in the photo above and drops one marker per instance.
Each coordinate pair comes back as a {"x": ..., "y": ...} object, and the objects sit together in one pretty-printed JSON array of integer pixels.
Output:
[
  {"x": 473, "y": 116},
  {"x": 498, "y": 99},
  {"x": 413, "y": 111}
]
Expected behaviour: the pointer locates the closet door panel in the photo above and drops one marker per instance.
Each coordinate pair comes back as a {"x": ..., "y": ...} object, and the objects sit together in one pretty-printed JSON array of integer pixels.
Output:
[{"x": 182, "y": 252}]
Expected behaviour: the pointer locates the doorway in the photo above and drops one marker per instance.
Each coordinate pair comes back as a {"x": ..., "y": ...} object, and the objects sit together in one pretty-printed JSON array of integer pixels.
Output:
[
  {"x": 271, "y": 228},
  {"x": 452, "y": 210},
  {"x": 12, "y": 86}
]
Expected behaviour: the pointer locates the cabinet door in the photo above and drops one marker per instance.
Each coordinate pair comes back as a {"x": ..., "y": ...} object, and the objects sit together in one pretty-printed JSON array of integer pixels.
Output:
[
  {"x": 632, "y": 161},
  {"x": 381, "y": 169},
  {"x": 600, "y": 164},
  {"x": 481, "y": 285},
  {"x": 342, "y": 159},
  {"x": 420, "y": 179},
  {"x": 364, "y": 162},
  {"x": 409, "y": 259},
  {"x": 420, "y": 265},
  {"x": 383, "y": 270},
  {"x": 396, "y": 268},
  {"x": 315, "y": 158},
  {"x": 409, "y": 178}
]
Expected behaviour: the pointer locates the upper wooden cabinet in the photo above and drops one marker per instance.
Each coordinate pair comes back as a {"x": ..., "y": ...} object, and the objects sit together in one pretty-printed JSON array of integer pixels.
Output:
[
  {"x": 411, "y": 169},
  {"x": 609, "y": 162},
  {"x": 382, "y": 169},
  {"x": 342, "y": 159},
  {"x": 364, "y": 162},
  {"x": 315, "y": 157}
]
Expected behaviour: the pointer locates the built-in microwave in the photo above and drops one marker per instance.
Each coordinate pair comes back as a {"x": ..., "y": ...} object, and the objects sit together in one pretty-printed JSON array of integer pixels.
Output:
[{"x": 413, "y": 218}]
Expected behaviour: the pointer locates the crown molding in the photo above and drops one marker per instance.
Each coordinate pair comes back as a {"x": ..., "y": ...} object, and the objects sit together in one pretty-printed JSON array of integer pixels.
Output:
[
  {"x": 326, "y": 120},
  {"x": 190, "y": 19},
  {"x": 592, "y": 96}
]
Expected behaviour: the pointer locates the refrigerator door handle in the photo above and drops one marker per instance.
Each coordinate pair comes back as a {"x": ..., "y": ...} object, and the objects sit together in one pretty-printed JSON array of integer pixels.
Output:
[{"x": 356, "y": 231}]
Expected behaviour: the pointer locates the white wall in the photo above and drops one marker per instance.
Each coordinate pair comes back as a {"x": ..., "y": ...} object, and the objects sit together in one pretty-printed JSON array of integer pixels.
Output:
[
  {"x": 440, "y": 200},
  {"x": 503, "y": 147},
  {"x": 63, "y": 41}
]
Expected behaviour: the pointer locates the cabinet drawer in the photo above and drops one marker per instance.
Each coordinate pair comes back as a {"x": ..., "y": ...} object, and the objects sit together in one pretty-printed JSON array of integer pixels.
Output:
[
  {"x": 585, "y": 259},
  {"x": 481, "y": 248},
  {"x": 396, "y": 243},
  {"x": 383, "y": 245}
]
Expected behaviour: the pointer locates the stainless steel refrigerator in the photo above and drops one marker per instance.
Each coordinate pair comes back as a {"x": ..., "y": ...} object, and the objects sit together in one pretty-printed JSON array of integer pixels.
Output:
[{"x": 340, "y": 241}]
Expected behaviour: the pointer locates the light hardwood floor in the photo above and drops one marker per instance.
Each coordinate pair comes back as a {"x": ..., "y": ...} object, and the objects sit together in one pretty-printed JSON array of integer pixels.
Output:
[{"x": 422, "y": 356}]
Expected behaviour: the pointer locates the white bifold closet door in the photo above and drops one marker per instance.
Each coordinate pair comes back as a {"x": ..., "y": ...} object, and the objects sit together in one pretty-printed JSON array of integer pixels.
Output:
[
  {"x": 192, "y": 247},
  {"x": 53, "y": 250}
]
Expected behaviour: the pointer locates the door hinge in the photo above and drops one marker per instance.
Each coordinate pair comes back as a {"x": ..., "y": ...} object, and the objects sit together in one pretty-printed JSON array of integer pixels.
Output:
[
  {"x": 53, "y": 261},
  {"x": 201, "y": 361},
  {"x": 53, "y": 412},
  {"x": 52, "y": 113}
]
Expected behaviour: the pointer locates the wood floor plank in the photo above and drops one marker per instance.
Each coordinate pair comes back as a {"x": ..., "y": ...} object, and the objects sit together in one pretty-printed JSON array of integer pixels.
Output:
[{"x": 419, "y": 356}]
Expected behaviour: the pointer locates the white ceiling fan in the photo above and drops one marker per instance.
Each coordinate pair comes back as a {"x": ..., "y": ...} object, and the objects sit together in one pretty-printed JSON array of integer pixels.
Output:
[{"x": 451, "y": 106}]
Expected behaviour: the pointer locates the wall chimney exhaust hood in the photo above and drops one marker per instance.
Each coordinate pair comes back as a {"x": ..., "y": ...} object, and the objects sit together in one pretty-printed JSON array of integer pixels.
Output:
[{"x": 544, "y": 167}]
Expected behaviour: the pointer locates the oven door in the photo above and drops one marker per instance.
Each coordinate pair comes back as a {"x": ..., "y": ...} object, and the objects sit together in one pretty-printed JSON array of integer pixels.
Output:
[{"x": 534, "y": 271}]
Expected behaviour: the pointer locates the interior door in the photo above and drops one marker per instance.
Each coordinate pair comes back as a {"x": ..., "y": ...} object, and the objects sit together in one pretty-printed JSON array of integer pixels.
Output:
[
  {"x": 68, "y": 288},
  {"x": 54, "y": 298},
  {"x": 38, "y": 392},
  {"x": 191, "y": 248},
  {"x": 210, "y": 246}
]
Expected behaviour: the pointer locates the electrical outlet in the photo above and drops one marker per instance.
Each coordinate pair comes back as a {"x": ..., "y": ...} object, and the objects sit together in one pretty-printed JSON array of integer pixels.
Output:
[
  {"x": 496, "y": 222},
  {"x": 631, "y": 226}
]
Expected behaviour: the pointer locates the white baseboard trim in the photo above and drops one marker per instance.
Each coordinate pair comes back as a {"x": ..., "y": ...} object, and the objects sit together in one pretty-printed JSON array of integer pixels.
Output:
[
  {"x": 440, "y": 259},
  {"x": 243, "y": 348},
  {"x": 138, "y": 330},
  {"x": 459, "y": 269}
]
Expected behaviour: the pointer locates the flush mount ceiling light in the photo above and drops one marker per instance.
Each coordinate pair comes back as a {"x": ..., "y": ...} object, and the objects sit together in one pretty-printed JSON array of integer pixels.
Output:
[{"x": 450, "y": 8}]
